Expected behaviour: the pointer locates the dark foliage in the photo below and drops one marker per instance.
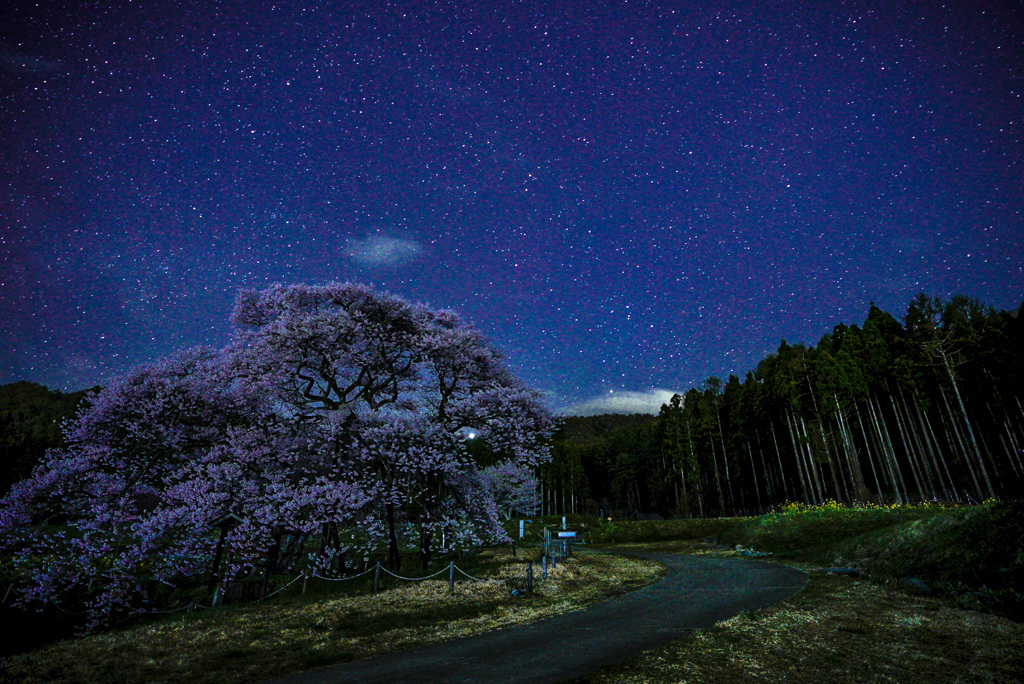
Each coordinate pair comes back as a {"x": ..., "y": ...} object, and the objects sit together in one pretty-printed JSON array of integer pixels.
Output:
[
  {"x": 886, "y": 412},
  {"x": 30, "y": 423}
]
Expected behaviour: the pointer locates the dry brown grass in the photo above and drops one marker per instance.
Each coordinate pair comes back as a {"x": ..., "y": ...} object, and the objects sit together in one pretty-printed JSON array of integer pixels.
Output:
[
  {"x": 838, "y": 630},
  {"x": 258, "y": 641}
]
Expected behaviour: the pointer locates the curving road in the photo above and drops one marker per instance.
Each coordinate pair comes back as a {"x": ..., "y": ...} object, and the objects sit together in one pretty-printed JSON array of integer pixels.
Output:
[{"x": 696, "y": 593}]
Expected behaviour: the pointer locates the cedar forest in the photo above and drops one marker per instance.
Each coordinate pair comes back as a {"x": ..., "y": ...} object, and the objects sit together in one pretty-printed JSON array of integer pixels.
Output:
[{"x": 884, "y": 413}]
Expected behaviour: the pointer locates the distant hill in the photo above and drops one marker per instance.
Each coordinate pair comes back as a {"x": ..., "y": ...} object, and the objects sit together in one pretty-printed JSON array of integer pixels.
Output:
[
  {"x": 30, "y": 423},
  {"x": 584, "y": 429}
]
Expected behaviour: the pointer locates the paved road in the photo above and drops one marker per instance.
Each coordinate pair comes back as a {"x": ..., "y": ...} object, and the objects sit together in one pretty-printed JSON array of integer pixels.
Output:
[{"x": 697, "y": 592}]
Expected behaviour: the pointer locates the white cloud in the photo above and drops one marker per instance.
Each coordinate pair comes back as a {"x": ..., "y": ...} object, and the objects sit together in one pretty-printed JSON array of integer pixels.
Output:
[
  {"x": 22, "y": 63},
  {"x": 378, "y": 250},
  {"x": 622, "y": 402}
]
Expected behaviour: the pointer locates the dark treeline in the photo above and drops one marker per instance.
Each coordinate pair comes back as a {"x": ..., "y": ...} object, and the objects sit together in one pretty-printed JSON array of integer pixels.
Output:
[
  {"x": 30, "y": 423},
  {"x": 887, "y": 412}
]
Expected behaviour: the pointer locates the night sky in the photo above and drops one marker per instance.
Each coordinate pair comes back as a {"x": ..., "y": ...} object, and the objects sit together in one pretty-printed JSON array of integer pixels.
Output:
[{"x": 626, "y": 197}]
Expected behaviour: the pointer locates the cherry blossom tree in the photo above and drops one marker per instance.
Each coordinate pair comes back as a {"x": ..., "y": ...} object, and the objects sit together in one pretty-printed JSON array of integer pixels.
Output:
[
  {"x": 513, "y": 488},
  {"x": 336, "y": 411}
]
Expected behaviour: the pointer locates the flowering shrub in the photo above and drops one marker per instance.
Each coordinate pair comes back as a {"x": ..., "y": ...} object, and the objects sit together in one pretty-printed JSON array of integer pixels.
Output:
[{"x": 833, "y": 505}]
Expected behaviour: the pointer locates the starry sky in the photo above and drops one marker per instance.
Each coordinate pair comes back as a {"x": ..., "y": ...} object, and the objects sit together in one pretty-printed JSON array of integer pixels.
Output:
[{"x": 626, "y": 197}]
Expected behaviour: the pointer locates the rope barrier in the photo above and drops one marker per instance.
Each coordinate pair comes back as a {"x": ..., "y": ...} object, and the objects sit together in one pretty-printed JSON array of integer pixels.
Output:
[
  {"x": 413, "y": 579},
  {"x": 342, "y": 579},
  {"x": 280, "y": 589},
  {"x": 168, "y": 612},
  {"x": 377, "y": 568}
]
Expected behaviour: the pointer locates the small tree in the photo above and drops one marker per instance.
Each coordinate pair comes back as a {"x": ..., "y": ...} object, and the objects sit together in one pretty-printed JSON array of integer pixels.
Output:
[
  {"x": 513, "y": 489},
  {"x": 336, "y": 410}
]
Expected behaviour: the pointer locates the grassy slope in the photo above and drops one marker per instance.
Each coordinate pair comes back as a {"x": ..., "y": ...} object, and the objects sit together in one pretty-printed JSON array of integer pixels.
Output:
[
  {"x": 849, "y": 631},
  {"x": 838, "y": 629},
  {"x": 971, "y": 555}
]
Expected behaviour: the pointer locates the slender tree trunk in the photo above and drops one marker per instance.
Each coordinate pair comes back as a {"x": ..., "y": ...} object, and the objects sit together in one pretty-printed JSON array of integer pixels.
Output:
[
  {"x": 831, "y": 461},
  {"x": 698, "y": 484},
  {"x": 940, "y": 455},
  {"x": 682, "y": 481},
  {"x": 934, "y": 452},
  {"x": 812, "y": 464},
  {"x": 839, "y": 467},
  {"x": 572, "y": 490},
  {"x": 871, "y": 459},
  {"x": 924, "y": 457},
  {"x": 1002, "y": 441},
  {"x": 1015, "y": 451},
  {"x": 967, "y": 422},
  {"x": 770, "y": 490},
  {"x": 824, "y": 438},
  {"x": 963, "y": 447},
  {"x": 725, "y": 459},
  {"x": 718, "y": 475},
  {"x": 394, "y": 557},
  {"x": 778, "y": 456},
  {"x": 884, "y": 461},
  {"x": 799, "y": 458},
  {"x": 850, "y": 451},
  {"x": 918, "y": 480},
  {"x": 753, "y": 470},
  {"x": 561, "y": 493},
  {"x": 987, "y": 456},
  {"x": 1006, "y": 450},
  {"x": 540, "y": 485},
  {"x": 889, "y": 453}
]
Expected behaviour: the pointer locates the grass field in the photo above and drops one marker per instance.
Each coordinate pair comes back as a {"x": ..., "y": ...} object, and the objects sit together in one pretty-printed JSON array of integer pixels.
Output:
[
  {"x": 255, "y": 641},
  {"x": 841, "y": 628},
  {"x": 951, "y": 625}
]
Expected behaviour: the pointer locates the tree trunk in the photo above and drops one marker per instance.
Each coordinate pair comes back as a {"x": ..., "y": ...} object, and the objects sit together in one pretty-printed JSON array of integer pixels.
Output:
[
  {"x": 925, "y": 458},
  {"x": 1015, "y": 450},
  {"x": 967, "y": 421},
  {"x": 824, "y": 438},
  {"x": 914, "y": 472},
  {"x": 725, "y": 459},
  {"x": 941, "y": 457},
  {"x": 799, "y": 459},
  {"x": 753, "y": 470},
  {"x": 778, "y": 456},
  {"x": 426, "y": 535},
  {"x": 899, "y": 487},
  {"x": 963, "y": 447},
  {"x": 871, "y": 460},
  {"x": 812, "y": 465},
  {"x": 394, "y": 557},
  {"x": 718, "y": 476},
  {"x": 850, "y": 453}
]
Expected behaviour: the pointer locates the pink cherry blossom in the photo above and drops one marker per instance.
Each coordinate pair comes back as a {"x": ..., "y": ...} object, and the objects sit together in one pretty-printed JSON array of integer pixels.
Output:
[{"x": 338, "y": 413}]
